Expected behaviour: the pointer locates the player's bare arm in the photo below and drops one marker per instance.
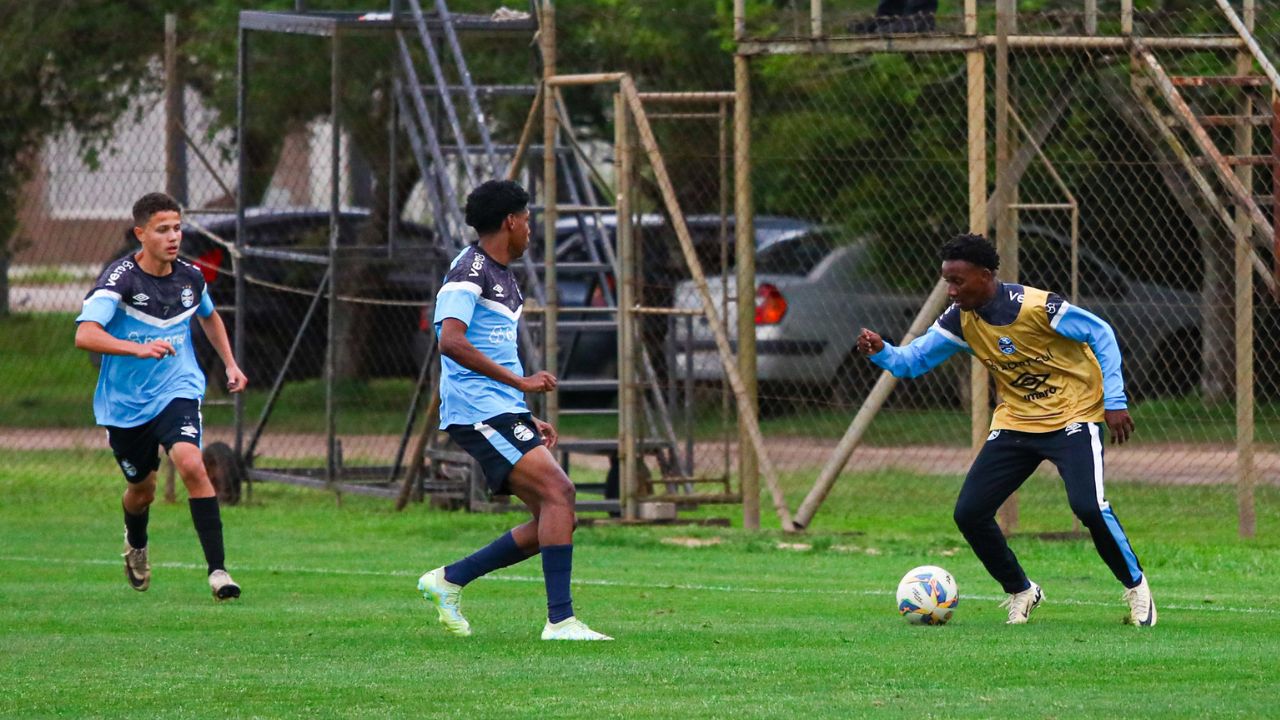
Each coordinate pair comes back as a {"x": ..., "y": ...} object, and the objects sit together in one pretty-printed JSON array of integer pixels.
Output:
[
  {"x": 216, "y": 331},
  {"x": 93, "y": 337},
  {"x": 455, "y": 346}
]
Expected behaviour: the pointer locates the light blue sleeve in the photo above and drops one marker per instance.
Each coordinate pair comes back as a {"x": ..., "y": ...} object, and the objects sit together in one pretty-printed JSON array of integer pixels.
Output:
[
  {"x": 456, "y": 300},
  {"x": 100, "y": 307},
  {"x": 919, "y": 356},
  {"x": 1078, "y": 324},
  {"x": 206, "y": 304}
]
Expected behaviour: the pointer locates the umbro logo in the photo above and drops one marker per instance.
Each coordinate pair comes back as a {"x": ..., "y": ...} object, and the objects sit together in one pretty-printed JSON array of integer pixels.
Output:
[
  {"x": 1029, "y": 381},
  {"x": 140, "y": 299},
  {"x": 1073, "y": 428},
  {"x": 190, "y": 430},
  {"x": 497, "y": 290}
]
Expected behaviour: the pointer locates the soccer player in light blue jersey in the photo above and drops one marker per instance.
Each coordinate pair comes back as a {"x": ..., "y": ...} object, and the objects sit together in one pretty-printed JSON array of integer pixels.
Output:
[
  {"x": 482, "y": 387},
  {"x": 138, "y": 316}
]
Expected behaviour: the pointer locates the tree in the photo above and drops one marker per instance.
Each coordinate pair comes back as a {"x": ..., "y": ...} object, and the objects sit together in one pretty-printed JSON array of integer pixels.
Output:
[{"x": 67, "y": 65}]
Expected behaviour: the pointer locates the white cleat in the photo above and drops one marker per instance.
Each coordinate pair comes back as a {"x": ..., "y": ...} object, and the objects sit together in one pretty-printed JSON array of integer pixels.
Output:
[
  {"x": 571, "y": 628},
  {"x": 1142, "y": 609},
  {"x": 1021, "y": 604},
  {"x": 223, "y": 587},
  {"x": 137, "y": 569},
  {"x": 447, "y": 597}
]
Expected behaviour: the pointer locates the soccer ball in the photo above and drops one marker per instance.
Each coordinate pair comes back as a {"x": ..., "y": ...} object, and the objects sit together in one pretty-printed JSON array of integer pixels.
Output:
[{"x": 927, "y": 595}]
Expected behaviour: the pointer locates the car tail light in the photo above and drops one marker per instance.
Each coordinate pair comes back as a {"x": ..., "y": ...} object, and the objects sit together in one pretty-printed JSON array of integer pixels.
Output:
[
  {"x": 597, "y": 295},
  {"x": 209, "y": 264},
  {"x": 771, "y": 306}
]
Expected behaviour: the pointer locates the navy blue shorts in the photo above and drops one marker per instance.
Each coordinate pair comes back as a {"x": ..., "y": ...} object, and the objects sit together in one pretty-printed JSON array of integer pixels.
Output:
[
  {"x": 498, "y": 444},
  {"x": 137, "y": 449}
]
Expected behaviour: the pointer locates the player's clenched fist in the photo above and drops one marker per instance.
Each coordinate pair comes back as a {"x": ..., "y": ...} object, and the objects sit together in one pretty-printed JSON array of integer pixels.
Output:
[
  {"x": 541, "y": 381},
  {"x": 869, "y": 343}
]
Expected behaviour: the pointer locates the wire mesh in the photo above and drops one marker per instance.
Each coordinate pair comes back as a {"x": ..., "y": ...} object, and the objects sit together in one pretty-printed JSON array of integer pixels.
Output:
[{"x": 859, "y": 171}]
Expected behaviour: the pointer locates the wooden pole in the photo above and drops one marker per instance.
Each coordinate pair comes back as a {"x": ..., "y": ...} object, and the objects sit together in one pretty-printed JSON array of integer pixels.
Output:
[
  {"x": 745, "y": 253},
  {"x": 815, "y": 19},
  {"x": 526, "y": 134},
  {"x": 175, "y": 146},
  {"x": 975, "y": 61},
  {"x": 1006, "y": 190},
  {"x": 628, "y": 397},
  {"x": 870, "y": 407},
  {"x": 1243, "y": 230},
  {"x": 746, "y": 410},
  {"x": 547, "y": 35}
]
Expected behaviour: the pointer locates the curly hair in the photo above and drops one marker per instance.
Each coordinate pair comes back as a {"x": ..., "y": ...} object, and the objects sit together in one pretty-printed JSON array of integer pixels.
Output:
[
  {"x": 971, "y": 248},
  {"x": 492, "y": 201}
]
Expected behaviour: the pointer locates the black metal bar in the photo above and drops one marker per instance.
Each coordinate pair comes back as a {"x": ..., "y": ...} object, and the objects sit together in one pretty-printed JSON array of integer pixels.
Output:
[
  {"x": 424, "y": 374},
  {"x": 278, "y": 385},
  {"x": 335, "y": 200},
  {"x": 242, "y": 83}
]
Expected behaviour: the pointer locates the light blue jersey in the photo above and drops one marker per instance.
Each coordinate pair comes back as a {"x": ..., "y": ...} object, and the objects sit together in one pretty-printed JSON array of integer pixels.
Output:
[
  {"x": 135, "y": 306},
  {"x": 483, "y": 294}
]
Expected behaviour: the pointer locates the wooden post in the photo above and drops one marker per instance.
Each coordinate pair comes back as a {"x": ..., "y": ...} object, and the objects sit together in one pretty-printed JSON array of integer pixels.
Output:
[
  {"x": 547, "y": 35},
  {"x": 745, "y": 253},
  {"x": 975, "y": 60},
  {"x": 175, "y": 146},
  {"x": 815, "y": 19},
  {"x": 746, "y": 409},
  {"x": 1006, "y": 189},
  {"x": 628, "y": 396},
  {"x": 1243, "y": 230}
]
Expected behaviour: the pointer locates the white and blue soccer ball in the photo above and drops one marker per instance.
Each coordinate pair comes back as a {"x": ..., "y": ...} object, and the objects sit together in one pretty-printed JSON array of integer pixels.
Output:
[{"x": 928, "y": 595}]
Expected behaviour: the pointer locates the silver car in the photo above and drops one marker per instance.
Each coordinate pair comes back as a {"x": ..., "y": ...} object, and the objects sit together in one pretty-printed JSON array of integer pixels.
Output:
[{"x": 815, "y": 290}]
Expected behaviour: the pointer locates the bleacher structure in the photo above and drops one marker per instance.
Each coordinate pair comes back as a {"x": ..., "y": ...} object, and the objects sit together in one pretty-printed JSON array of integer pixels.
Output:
[{"x": 443, "y": 114}]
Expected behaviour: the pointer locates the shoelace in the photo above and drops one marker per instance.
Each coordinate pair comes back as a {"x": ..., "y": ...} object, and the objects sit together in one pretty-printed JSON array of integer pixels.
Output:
[{"x": 137, "y": 558}]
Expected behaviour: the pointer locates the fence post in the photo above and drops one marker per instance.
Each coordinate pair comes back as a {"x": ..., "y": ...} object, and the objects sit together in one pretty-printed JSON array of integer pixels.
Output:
[{"x": 745, "y": 250}]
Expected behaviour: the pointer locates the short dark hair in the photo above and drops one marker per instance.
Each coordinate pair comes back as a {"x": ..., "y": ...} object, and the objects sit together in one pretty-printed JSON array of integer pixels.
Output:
[
  {"x": 150, "y": 204},
  {"x": 490, "y": 203},
  {"x": 971, "y": 248}
]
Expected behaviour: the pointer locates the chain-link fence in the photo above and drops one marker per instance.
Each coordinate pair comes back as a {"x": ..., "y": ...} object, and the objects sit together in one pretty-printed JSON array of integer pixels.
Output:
[
  {"x": 867, "y": 145},
  {"x": 860, "y": 168}
]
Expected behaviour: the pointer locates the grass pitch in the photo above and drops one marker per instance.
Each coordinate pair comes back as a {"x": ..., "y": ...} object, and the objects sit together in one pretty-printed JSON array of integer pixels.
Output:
[{"x": 331, "y": 625}]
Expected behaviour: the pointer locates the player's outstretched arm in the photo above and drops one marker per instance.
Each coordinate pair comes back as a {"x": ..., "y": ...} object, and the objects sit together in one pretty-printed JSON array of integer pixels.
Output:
[
  {"x": 455, "y": 346},
  {"x": 93, "y": 337},
  {"x": 216, "y": 331},
  {"x": 912, "y": 360}
]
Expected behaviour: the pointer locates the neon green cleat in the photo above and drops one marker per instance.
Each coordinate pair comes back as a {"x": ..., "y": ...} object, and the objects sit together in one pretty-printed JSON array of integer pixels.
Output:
[
  {"x": 571, "y": 628},
  {"x": 447, "y": 598}
]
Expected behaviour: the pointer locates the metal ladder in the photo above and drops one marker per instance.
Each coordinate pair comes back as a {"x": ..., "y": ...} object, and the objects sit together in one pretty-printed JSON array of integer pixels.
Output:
[
  {"x": 464, "y": 144},
  {"x": 1174, "y": 108}
]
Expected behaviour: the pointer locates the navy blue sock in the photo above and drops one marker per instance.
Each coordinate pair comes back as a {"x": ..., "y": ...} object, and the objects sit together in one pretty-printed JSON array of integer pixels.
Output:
[
  {"x": 557, "y": 566},
  {"x": 135, "y": 527},
  {"x": 208, "y": 521},
  {"x": 498, "y": 554}
]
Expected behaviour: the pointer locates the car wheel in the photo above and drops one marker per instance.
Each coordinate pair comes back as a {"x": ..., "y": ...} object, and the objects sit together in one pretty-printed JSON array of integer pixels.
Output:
[{"x": 226, "y": 471}]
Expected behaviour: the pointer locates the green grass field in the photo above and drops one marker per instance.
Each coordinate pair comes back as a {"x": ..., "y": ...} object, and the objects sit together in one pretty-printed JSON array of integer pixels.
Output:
[{"x": 330, "y": 624}]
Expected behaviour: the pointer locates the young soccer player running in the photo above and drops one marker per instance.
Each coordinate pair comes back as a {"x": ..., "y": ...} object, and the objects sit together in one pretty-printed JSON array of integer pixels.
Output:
[
  {"x": 138, "y": 316},
  {"x": 482, "y": 387},
  {"x": 1058, "y": 370}
]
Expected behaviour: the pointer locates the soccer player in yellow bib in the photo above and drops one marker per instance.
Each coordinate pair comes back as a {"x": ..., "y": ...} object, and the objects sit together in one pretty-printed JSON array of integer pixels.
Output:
[{"x": 1057, "y": 367}]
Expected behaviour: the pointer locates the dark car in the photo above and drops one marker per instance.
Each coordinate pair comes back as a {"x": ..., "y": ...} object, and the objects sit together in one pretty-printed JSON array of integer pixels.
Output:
[{"x": 379, "y": 328}]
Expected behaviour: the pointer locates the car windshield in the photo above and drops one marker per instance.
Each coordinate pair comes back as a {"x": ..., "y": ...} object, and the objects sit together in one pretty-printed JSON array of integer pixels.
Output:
[{"x": 798, "y": 256}]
